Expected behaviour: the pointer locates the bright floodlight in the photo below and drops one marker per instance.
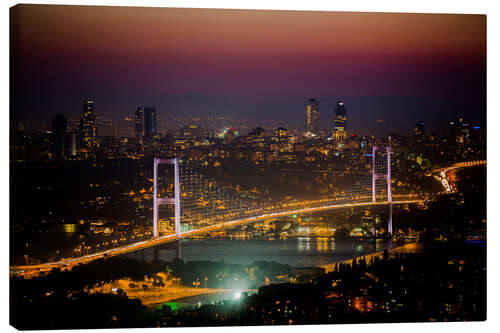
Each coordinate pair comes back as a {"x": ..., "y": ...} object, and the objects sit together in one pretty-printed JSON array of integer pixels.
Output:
[{"x": 237, "y": 295}]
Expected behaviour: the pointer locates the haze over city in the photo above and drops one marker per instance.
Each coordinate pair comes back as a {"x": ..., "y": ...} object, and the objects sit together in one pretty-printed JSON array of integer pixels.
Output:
[{"x": 398, "y": 68}]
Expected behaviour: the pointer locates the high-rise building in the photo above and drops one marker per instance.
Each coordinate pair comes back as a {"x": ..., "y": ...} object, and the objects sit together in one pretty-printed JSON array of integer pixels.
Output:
[
  {"x": 139, "y": 123},
  {"x": 460, "y": 132},
  {"x": 312, "y": 117},
  {"x": 59, "y": 126},
  {"x": 256, "y": 138},
  {"x": 88, "y": 130},
  {"x": 340, "y": 124},
  {"x": 282, "y": 140},
  {"x": 149, "y": 122},
  {"x": 70, "y": 143}
]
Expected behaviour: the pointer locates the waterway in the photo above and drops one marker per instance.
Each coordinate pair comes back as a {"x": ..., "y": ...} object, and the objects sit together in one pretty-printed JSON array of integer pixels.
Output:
[{"x": 294, "y": 251}]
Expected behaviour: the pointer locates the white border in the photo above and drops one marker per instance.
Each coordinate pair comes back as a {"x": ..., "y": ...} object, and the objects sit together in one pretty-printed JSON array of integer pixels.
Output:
[{"x": 422, "y": 6}]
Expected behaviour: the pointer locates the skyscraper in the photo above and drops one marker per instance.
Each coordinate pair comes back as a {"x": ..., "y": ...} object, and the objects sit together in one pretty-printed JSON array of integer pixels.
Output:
[
  {"x": 139, "y": 124},
  {"x": 312, "y": 117},
  {"x": 70, "y": 143},
  {"x": 59, "y": 126},
  {"x": 340, "y": 124},
  {"x": 256, "y": 138},
  {"x": 149, "y": 122},
  {"x": 460, "y": 132},
  {"x": 88, "y": 130}
]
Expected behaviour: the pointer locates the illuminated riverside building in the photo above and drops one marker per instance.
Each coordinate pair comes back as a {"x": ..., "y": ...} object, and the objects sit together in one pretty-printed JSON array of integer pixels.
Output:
[
  {"x": 139, "y": 124},
  {"x": 340, "y": 125},
  {"x": 312, "y": 117},
  {"x": 88, "y": 130}
]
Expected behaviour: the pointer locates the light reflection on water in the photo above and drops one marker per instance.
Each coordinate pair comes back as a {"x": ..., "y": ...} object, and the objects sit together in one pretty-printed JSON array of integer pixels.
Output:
[
  {"x": 321, "y": 244},
  {"x": 304, "y": 244},
  {"x": 294, "y": 251}
]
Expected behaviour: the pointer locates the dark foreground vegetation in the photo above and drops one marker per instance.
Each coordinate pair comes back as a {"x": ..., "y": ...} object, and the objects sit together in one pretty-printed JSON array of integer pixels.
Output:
[{"x": 442, "y": 283}]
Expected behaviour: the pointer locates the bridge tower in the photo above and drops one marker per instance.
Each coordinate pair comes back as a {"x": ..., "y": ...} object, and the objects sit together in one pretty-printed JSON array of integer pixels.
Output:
[
  {"x": 387, "y": 177},
  {"x": 176, "y": 200}
]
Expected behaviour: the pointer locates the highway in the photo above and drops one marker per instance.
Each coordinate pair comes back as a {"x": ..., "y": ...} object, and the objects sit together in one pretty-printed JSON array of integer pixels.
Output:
[
  {"x": 441, "y": 175},
  {"x": 31, "y": 270}
]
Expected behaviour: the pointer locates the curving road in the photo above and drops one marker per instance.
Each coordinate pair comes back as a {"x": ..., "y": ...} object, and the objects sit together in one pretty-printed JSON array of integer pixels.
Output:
[{"x": 441, "y": 175}]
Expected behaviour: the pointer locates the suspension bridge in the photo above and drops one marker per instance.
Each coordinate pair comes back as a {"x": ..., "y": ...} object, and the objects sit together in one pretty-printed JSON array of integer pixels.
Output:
[{"x": 203, "y": 205}]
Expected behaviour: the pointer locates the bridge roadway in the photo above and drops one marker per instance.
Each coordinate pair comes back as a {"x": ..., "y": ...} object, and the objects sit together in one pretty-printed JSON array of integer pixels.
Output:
[{"x": 68, "y": 263}]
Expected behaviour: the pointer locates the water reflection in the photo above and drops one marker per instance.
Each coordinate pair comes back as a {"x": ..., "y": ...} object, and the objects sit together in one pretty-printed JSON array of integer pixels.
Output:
[
  {"x": 304, "y": 244},
  {"x": 295, "y": 251},
  {"x": 322, "y": 244}
]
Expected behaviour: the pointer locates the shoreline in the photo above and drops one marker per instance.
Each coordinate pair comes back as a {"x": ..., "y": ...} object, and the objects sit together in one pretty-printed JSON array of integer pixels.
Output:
[
  {"x": 409, "y": 247},
  {"x": 152, "y": 300}
]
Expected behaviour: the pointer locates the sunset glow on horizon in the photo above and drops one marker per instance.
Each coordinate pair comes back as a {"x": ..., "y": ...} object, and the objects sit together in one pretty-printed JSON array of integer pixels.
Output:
[{"x": 111, "y": 52}]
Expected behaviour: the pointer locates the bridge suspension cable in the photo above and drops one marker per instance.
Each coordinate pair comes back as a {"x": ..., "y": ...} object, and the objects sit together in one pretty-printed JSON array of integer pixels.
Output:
[{"x": 201, "y": 202}]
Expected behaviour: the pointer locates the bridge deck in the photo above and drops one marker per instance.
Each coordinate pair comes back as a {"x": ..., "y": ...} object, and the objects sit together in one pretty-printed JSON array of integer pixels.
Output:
[{"x": 170, "y": 238}]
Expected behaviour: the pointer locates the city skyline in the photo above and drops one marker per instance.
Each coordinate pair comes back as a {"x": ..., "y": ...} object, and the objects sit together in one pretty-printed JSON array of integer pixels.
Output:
[{"x": 132, "y": 125}]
